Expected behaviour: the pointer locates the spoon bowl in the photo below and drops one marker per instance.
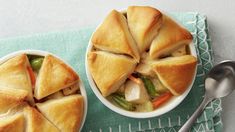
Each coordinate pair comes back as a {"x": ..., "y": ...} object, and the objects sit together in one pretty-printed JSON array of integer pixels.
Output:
[{"x": 219, "y": 82}]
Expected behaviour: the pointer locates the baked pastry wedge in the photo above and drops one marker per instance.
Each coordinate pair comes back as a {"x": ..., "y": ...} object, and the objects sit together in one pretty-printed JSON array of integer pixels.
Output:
[
  {"x": 113, "y": 35},
  {"x": 171, "y": 36},
  {"x": 10, "y": 98},
  {"x": 176, "y": 73},
  {"x": 65, "y": 113},
  {"x": 37, "y": 122},
  {"x": 53, "y": 76},
  {"x": 12, "y": 123},
  {"x": 107, "y": 70},
  {"x": 14, "y": 73},
  {"x": 144, "y": 23}
]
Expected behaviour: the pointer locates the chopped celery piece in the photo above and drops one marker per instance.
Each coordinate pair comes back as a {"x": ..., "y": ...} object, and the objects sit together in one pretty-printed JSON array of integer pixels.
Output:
[
  {"x": 160, "y": 88},
  {"x": 145, "y": 107}
]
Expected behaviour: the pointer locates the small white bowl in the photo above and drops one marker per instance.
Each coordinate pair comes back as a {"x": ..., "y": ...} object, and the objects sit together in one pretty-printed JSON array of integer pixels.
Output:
[
  {"x": 171, "y": 104},
  {"x": 44, "y": 53}
]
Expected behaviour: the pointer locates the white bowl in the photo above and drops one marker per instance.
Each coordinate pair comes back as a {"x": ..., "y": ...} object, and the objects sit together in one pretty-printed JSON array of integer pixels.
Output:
[
  {"x": 44, "y": 53},
  {"x": 171, "y": 104}
]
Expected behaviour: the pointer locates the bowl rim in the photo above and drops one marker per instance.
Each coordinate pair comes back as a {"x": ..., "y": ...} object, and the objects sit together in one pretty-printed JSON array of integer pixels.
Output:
[
  {"x": 174, "y": 102},
  {"x": 44, "y": 53}
]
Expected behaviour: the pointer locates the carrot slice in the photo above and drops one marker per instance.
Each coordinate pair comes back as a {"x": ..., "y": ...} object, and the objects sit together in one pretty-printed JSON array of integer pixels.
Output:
[
  {"x": 31, "y": 75},
  {"x": 161, "y": 99},
  {"x": 136, "y": 80}
]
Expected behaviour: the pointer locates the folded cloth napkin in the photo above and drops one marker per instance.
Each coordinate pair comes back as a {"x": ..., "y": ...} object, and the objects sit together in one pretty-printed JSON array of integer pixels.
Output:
[{"x": 71, "y": 46}]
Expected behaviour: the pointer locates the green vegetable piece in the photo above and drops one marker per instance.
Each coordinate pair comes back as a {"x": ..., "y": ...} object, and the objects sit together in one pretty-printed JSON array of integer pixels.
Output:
[
  {"x": 120, "y": 100},
  {"x": 36, "y": 63},
  {"x": 149, "y": 86},
  {"x": 160, "y": 88},
  {"x": 145, "y": 107}
]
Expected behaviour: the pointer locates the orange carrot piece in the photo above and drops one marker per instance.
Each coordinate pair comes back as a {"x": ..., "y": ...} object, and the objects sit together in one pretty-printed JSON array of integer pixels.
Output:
[
  {"x": 161, "y": 99},
  {"x": 31, "y": 75},
  {"x": 136, "y": 80}
]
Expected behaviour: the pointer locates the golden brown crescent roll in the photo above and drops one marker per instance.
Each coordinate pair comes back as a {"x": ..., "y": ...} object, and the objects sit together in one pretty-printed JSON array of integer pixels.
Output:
[
  {"x": 171, "y": 36},
  {"x": 113, "y": 35},
  {"x": 144, "y": 23},
  {"x": 13, "y": 123},
  {"x": 109, "y": 70},
  {"x": 14, "y": 74},
  {"x": 37, "y": 122},
  {"x": 53, "y": 76},
  {"x": 176, "y": 73},
  {"x": 10, "y": 98},
  {"x": 65, "y": 113}
]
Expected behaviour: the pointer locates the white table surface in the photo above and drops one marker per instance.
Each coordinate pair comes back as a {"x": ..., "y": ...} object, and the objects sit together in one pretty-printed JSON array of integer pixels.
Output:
[{"x": 24, "y": 17}]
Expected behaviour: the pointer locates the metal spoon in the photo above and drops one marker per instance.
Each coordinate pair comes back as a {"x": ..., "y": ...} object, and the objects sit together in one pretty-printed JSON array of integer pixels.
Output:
[{"x": 219, "y": 82}]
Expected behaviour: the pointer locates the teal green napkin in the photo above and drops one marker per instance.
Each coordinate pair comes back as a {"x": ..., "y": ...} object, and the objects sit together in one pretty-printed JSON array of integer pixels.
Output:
[{"x": 71, "y": 46}]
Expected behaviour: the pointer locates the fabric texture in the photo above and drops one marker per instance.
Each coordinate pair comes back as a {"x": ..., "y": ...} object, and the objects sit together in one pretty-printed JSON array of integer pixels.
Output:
[{"x": 71, "y": 46}]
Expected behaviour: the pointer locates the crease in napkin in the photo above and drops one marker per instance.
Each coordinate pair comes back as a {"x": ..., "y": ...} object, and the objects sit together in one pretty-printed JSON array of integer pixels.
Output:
[{"x": 71, "y": 46}]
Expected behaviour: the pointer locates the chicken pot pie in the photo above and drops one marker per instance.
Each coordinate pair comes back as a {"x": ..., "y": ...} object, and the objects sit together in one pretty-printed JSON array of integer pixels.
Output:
[
  {"x": 164, "y": 66},
  {"x": 37, "y": 92}
]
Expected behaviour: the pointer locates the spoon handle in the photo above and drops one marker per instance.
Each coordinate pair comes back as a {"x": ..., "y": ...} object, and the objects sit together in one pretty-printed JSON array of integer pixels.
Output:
[{"x": 187, "y": 126}]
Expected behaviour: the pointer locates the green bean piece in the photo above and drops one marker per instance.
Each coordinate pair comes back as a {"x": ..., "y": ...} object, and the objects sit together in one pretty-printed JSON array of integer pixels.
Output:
[
  {"x": 122, "y": 102},
  {"x": 149, "y": 86},
  {"x": 36, "y": 63}
]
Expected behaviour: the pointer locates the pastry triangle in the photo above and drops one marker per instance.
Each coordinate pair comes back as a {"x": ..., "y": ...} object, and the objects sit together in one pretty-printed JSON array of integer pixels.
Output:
[
  {"x": 10, "y": 98},
  {"x": 53, "y": 76},
  {"x": 13, "y": 123},
  {"x": 66, "y": 113},
  {"x": 109, "y": 70},
  {"x": 144, "y": 23},
  {"x": 171, "y": 36},
  {"x": 176, "y": 73},
  {"x": 113, "y": 35},
  {"x": 37, "y": 122},
  {"x": 14, "y": 74}
]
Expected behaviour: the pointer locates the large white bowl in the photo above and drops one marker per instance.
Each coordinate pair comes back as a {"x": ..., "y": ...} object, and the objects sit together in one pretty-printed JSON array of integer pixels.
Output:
[
  {"x": 175, "y": 101},
  {"x": 44, "y": 53}
]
